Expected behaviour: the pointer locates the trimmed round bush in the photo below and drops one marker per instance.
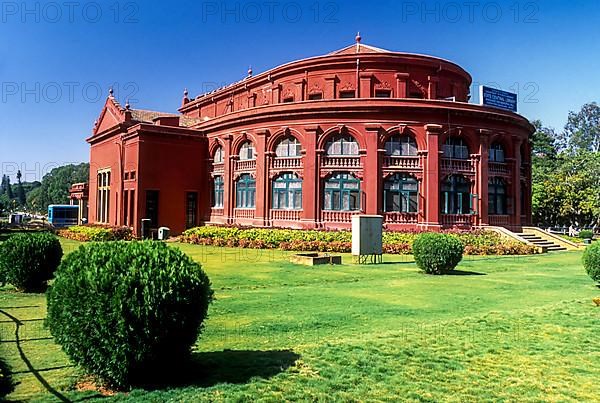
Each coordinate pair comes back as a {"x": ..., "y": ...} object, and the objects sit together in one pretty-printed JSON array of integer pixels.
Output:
[
  {"x": 29, "y": 260},
  {"x": 586, "y": 234},
  {"x": 437, "y": 253},
  {"x": 591, "y": 261},
  {"x": 128, "y": 312}
]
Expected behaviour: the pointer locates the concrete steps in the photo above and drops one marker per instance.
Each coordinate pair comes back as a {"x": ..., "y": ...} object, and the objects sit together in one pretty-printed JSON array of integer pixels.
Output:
[{"x": 540, "y": 240}]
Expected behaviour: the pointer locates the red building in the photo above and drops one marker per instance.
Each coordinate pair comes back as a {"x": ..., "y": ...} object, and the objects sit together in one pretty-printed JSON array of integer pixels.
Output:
[{"x": 310, "y": 143}]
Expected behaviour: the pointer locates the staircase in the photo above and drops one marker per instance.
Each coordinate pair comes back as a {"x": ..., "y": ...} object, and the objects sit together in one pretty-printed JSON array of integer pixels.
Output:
[{"x": 541, "y": 241}]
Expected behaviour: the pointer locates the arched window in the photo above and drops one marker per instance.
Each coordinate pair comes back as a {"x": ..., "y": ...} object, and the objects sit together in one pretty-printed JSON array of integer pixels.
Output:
[
  {"x": 455, "y": 147},
  {"x": 218, "y": 186},
  {"x": 496, "y": 152},
  {"x": 245, "y": 191},
  {"x": 342, "y": 144},
  {"x": 341, "y": 193},
  {"x": 401, "y": 193},
  {"x": 219, "y": 156},
  {"x": 397, "y": 146},
  {"x": 287, "y": 192},
  {"x": 456, "y": 195},
  {"x": 103, "y": 196},
  {"x": 288, "y": 147},
  {"x": 247, "y": 151},
  {"x": 496, "y": 197}
]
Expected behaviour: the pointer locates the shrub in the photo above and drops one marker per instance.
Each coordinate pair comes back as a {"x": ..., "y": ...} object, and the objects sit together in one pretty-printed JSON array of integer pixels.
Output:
[
  {"x": 397, "y": 248},
  {"x": 3, "y": 269},
  {"x": 28, "y": 260},
  {"x": 128, "y": 311},
  {"x": 6, "y": 382},
  {"x": 502, "y": 248},
  {"x": 437, "y": 253},
  {"x": 586, "y": 234},
  {"x": 96, "y": 233},
  {"x": 591, "y": 261},
  {"x": 478, "y": 242}
]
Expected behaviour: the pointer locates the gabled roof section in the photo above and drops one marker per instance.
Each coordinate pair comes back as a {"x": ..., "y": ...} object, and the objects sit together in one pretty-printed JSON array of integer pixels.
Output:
[
  {"x": 147, "y": 116},
  {"x": 358, "y": 48},
  {"x": 113, "y": 114}
]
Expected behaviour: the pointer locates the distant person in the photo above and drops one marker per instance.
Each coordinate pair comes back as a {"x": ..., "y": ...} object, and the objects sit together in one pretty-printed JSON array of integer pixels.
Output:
[{"x": 572, "y": 231}]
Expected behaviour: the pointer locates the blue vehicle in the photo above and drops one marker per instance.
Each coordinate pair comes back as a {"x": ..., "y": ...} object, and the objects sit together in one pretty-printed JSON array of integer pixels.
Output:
[{"x": 63, "y": 215}]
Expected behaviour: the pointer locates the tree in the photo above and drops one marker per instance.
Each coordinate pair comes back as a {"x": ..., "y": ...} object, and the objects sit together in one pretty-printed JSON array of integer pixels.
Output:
[
  {"x": 543, "y": 141},
  {"x": 569, "y": 192},
  {"x": 582, "y": 131},
  {"x": 5, "y": 188},
  {"x": 545, "y": 156},
  {"x": 54, "y": 188},
  {"x": 20, "y": 190},
  {"x": 8, "y": 187}
]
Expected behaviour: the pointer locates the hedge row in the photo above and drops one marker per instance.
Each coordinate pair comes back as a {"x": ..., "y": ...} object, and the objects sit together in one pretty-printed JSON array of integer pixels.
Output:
[
  {"x": 477, "y": 242},
  {"x": 96, "y": 233}
]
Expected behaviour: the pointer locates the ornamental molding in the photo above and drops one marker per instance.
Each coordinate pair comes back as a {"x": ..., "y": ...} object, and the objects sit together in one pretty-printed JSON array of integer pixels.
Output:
[{"x": 383, "y": 86}]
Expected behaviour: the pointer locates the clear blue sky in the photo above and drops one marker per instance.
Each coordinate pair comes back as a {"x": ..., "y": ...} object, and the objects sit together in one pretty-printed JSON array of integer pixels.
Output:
[{"x": 54, "y": 57}]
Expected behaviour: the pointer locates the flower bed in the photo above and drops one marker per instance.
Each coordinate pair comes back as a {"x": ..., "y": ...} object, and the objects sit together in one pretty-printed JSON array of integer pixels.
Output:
[
  {"x": 96, "y": 233},
  {"x": 476, "y": 242}
]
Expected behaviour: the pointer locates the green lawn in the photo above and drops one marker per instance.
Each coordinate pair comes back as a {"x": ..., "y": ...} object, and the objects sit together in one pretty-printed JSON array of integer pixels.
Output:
[{"x": 506, "y": 328}]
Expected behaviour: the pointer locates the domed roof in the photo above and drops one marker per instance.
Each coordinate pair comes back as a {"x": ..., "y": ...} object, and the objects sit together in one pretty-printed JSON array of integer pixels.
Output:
[{"x": 358, "y": 48}]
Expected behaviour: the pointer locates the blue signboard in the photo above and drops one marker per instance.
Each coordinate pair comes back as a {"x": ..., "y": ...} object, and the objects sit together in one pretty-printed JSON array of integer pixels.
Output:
[{"x": 497, "y": 98}]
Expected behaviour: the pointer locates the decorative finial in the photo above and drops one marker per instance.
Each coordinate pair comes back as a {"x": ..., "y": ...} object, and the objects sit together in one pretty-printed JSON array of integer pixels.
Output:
[
  {"x": 127, "y": 106},
  {"x": 358, "y": 37},
  {"x": 95, "y": 123},
  {"x": 250, "y": 71},
  {"x": 185, "y": 99},
  {"x": 110, "y": 92}
]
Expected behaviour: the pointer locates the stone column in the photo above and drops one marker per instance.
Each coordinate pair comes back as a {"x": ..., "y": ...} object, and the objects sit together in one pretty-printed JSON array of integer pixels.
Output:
[
  {"x": 432, "y": 87},
  {"x": 300, "y": 90},
  {"x": 310, "y": 180},
  {"x": 516, "y": 179},
  {"x": 372, "y": 178},
  {"x": 402, "y": 85},
  {"x": 261, "y": 210},
  {"x": 482, "y": 177},
  {"x": 275, "y": 94},
  {"x": 431, "y": 174},
  {"x": 330, "y": 90},
  {"x": 366, "y": 85},
  {"x": 228, "y": 182}
]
